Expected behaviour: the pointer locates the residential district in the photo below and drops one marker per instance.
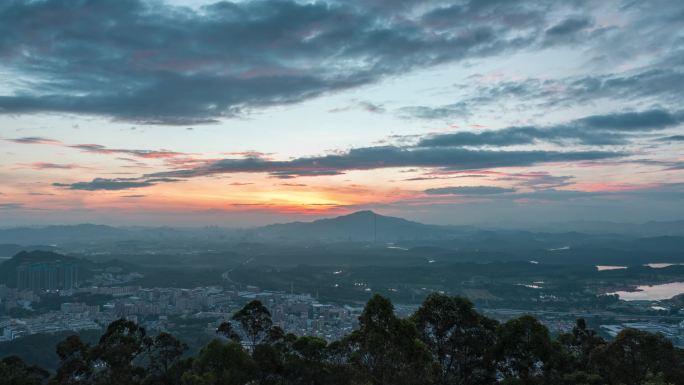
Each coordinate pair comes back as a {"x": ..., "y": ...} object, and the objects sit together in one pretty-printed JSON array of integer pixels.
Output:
[{"x": 157, "y": 309}]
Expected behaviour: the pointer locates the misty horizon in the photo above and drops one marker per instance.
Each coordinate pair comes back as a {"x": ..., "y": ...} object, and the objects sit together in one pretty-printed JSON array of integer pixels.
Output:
[
  {"x": 316, "y": 218},
  {"x": 197, "y": 112}
]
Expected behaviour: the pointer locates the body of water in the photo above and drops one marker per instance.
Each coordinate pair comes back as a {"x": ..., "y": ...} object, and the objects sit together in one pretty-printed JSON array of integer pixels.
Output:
[
  {"x": 652, "y": 292},
  {"x": 608, "y": 267},
  {"x": 662, "y": 265}
]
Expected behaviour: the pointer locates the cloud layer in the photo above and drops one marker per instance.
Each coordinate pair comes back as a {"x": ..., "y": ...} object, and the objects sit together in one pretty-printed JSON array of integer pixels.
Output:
[
  {"x": 152, "y": 63},
  {"x": 608, "y": 129},
  {"x": 469, "y": 190},
  {"x": 452, "y": 152}
]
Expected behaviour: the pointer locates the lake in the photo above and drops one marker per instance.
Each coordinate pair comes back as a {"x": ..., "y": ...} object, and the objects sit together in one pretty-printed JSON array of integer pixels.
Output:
[
  {"x": 662, "y": 265},
  {"x": 652, "y": 292},
  {"x": 608, "y": 267}
]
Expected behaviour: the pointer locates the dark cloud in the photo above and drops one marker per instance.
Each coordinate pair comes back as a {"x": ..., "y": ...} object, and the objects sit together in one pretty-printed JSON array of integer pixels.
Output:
[
  {"x": 114, "y": 184},
  {"x": 290, "y": 174},
  {"x": 593, "y": 130},
  {"x": 500, "y": 13},
  {"x": 152, "y": 63},
  {"x": 438, "y": 177},
  {"x": 371, "y": 107},
  {"x": 50, "y": 166},
  {"x": 559, "y": 195},
  {"x": 444, "y": 112},
  {"x": 363, "y": 105},
  {"x": 100, "y": 149},
  {"x": 11, "y": 206},
  {"x": 673, "y": 138},
  {"x": 661, "y": 83},
  {"x": 675, "y": 166},
  {"x": 469, "y": 190},
  {"x": 567, "y": 30},
  {"x": 371, "y": 158},
  {"x": 656, "y": 193},
  {"x": 149, "y": 154},
  {"x": 34, "y": 140},
  {"x": 445, "y": 152},
  {"x": 105, "y": 184},
  {"x": 537, "y": 180},
  {"x": 366, "y": 158}
]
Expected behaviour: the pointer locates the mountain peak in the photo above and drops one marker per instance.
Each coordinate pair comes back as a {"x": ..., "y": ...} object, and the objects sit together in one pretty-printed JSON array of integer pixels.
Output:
[
  {"x": 364, "y": 225},
  {"x": 362, "y": 213}
]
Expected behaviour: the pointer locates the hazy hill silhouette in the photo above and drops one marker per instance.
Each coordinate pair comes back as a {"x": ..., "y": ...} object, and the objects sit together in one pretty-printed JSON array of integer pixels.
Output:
[
  {"x": 358, "y": 226},
  {"x": 8, "y": 274},
  {"x": 59, "y": 234}
]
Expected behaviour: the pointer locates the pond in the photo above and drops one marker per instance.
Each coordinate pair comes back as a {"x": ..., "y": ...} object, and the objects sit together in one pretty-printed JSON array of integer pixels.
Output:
[
  {"x": 609, "y": 267},
  {"x": 652, "y": 292}
]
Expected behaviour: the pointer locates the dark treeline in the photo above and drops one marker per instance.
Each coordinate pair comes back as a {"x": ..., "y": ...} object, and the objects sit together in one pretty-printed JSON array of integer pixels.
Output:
[{"x": 445, "y": 342}]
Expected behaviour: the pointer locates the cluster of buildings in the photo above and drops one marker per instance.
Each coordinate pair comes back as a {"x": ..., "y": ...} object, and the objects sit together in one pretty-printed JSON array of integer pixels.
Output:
[
  {"x": 50, "y": 276},
  {"x": 11, "y": 298},
  {"x": 294, "y": 313},
  {"x": 162, "y": 309},
  {"x": 673, "y": 332},
  {"x": 302, "y": 314},
  {"x": 70, "y": 317},
  {"x": 158, "y": 308}
]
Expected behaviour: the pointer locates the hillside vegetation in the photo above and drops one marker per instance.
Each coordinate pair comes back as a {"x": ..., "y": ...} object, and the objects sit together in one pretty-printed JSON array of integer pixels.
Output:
[{"x": 445, "y": 342}]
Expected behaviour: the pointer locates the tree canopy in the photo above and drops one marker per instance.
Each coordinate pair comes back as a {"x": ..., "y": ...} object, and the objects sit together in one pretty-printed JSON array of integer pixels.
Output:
[{"x": 445, "y": 342}]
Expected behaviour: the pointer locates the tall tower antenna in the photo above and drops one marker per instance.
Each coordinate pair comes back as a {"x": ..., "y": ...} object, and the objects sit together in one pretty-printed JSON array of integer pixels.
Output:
[{"x": 375, "y": 227}]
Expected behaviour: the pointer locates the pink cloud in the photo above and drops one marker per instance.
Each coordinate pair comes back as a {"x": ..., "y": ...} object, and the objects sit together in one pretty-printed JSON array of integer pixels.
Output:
[{"x": 49, "y": 166}]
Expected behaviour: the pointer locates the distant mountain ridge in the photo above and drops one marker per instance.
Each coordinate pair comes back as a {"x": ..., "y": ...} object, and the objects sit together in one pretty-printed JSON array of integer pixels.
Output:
[
  {"x": 8, "y": 250},
  {"x": 358, "y": 226},
  {"x": 57, "y": 234}
]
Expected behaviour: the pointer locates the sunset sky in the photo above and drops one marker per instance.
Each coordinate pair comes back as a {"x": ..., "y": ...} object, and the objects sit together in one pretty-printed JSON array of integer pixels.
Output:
[{"x": 243, "y": 113}]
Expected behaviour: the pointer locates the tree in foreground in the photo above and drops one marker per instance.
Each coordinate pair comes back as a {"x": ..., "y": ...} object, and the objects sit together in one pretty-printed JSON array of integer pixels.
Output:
[
  {"x": 163, "y": 354},
  {"x": 524, "y": 350},
  {"x": 226, "y": 330},
  {"x": 445, "y": 342},
  {"x": 255, "y": 320},
  {"x": 221, "y": 363},
  {"x": 14, "y": 371},
  {"x": 388, "y": 350},
  {"x": 636, "y": 357},
  {"x": 116, "y": 356},
  {"x": 460, "y": 340}
]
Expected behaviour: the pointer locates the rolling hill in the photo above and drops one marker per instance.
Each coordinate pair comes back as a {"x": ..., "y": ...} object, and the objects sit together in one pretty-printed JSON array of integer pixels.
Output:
[{"x": 358, "y": 226}]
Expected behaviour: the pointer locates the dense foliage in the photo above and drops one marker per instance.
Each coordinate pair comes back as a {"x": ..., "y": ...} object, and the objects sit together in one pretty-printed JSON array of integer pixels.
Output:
[{"x": 445, "y": 342}]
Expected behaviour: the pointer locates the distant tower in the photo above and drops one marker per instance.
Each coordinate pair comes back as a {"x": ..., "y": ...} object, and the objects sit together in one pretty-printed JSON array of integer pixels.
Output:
[{"x": 375, "y": 227}]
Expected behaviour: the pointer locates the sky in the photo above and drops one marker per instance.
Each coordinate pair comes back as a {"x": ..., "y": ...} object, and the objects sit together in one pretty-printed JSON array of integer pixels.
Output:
[{"x": 197, "y": 112}]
